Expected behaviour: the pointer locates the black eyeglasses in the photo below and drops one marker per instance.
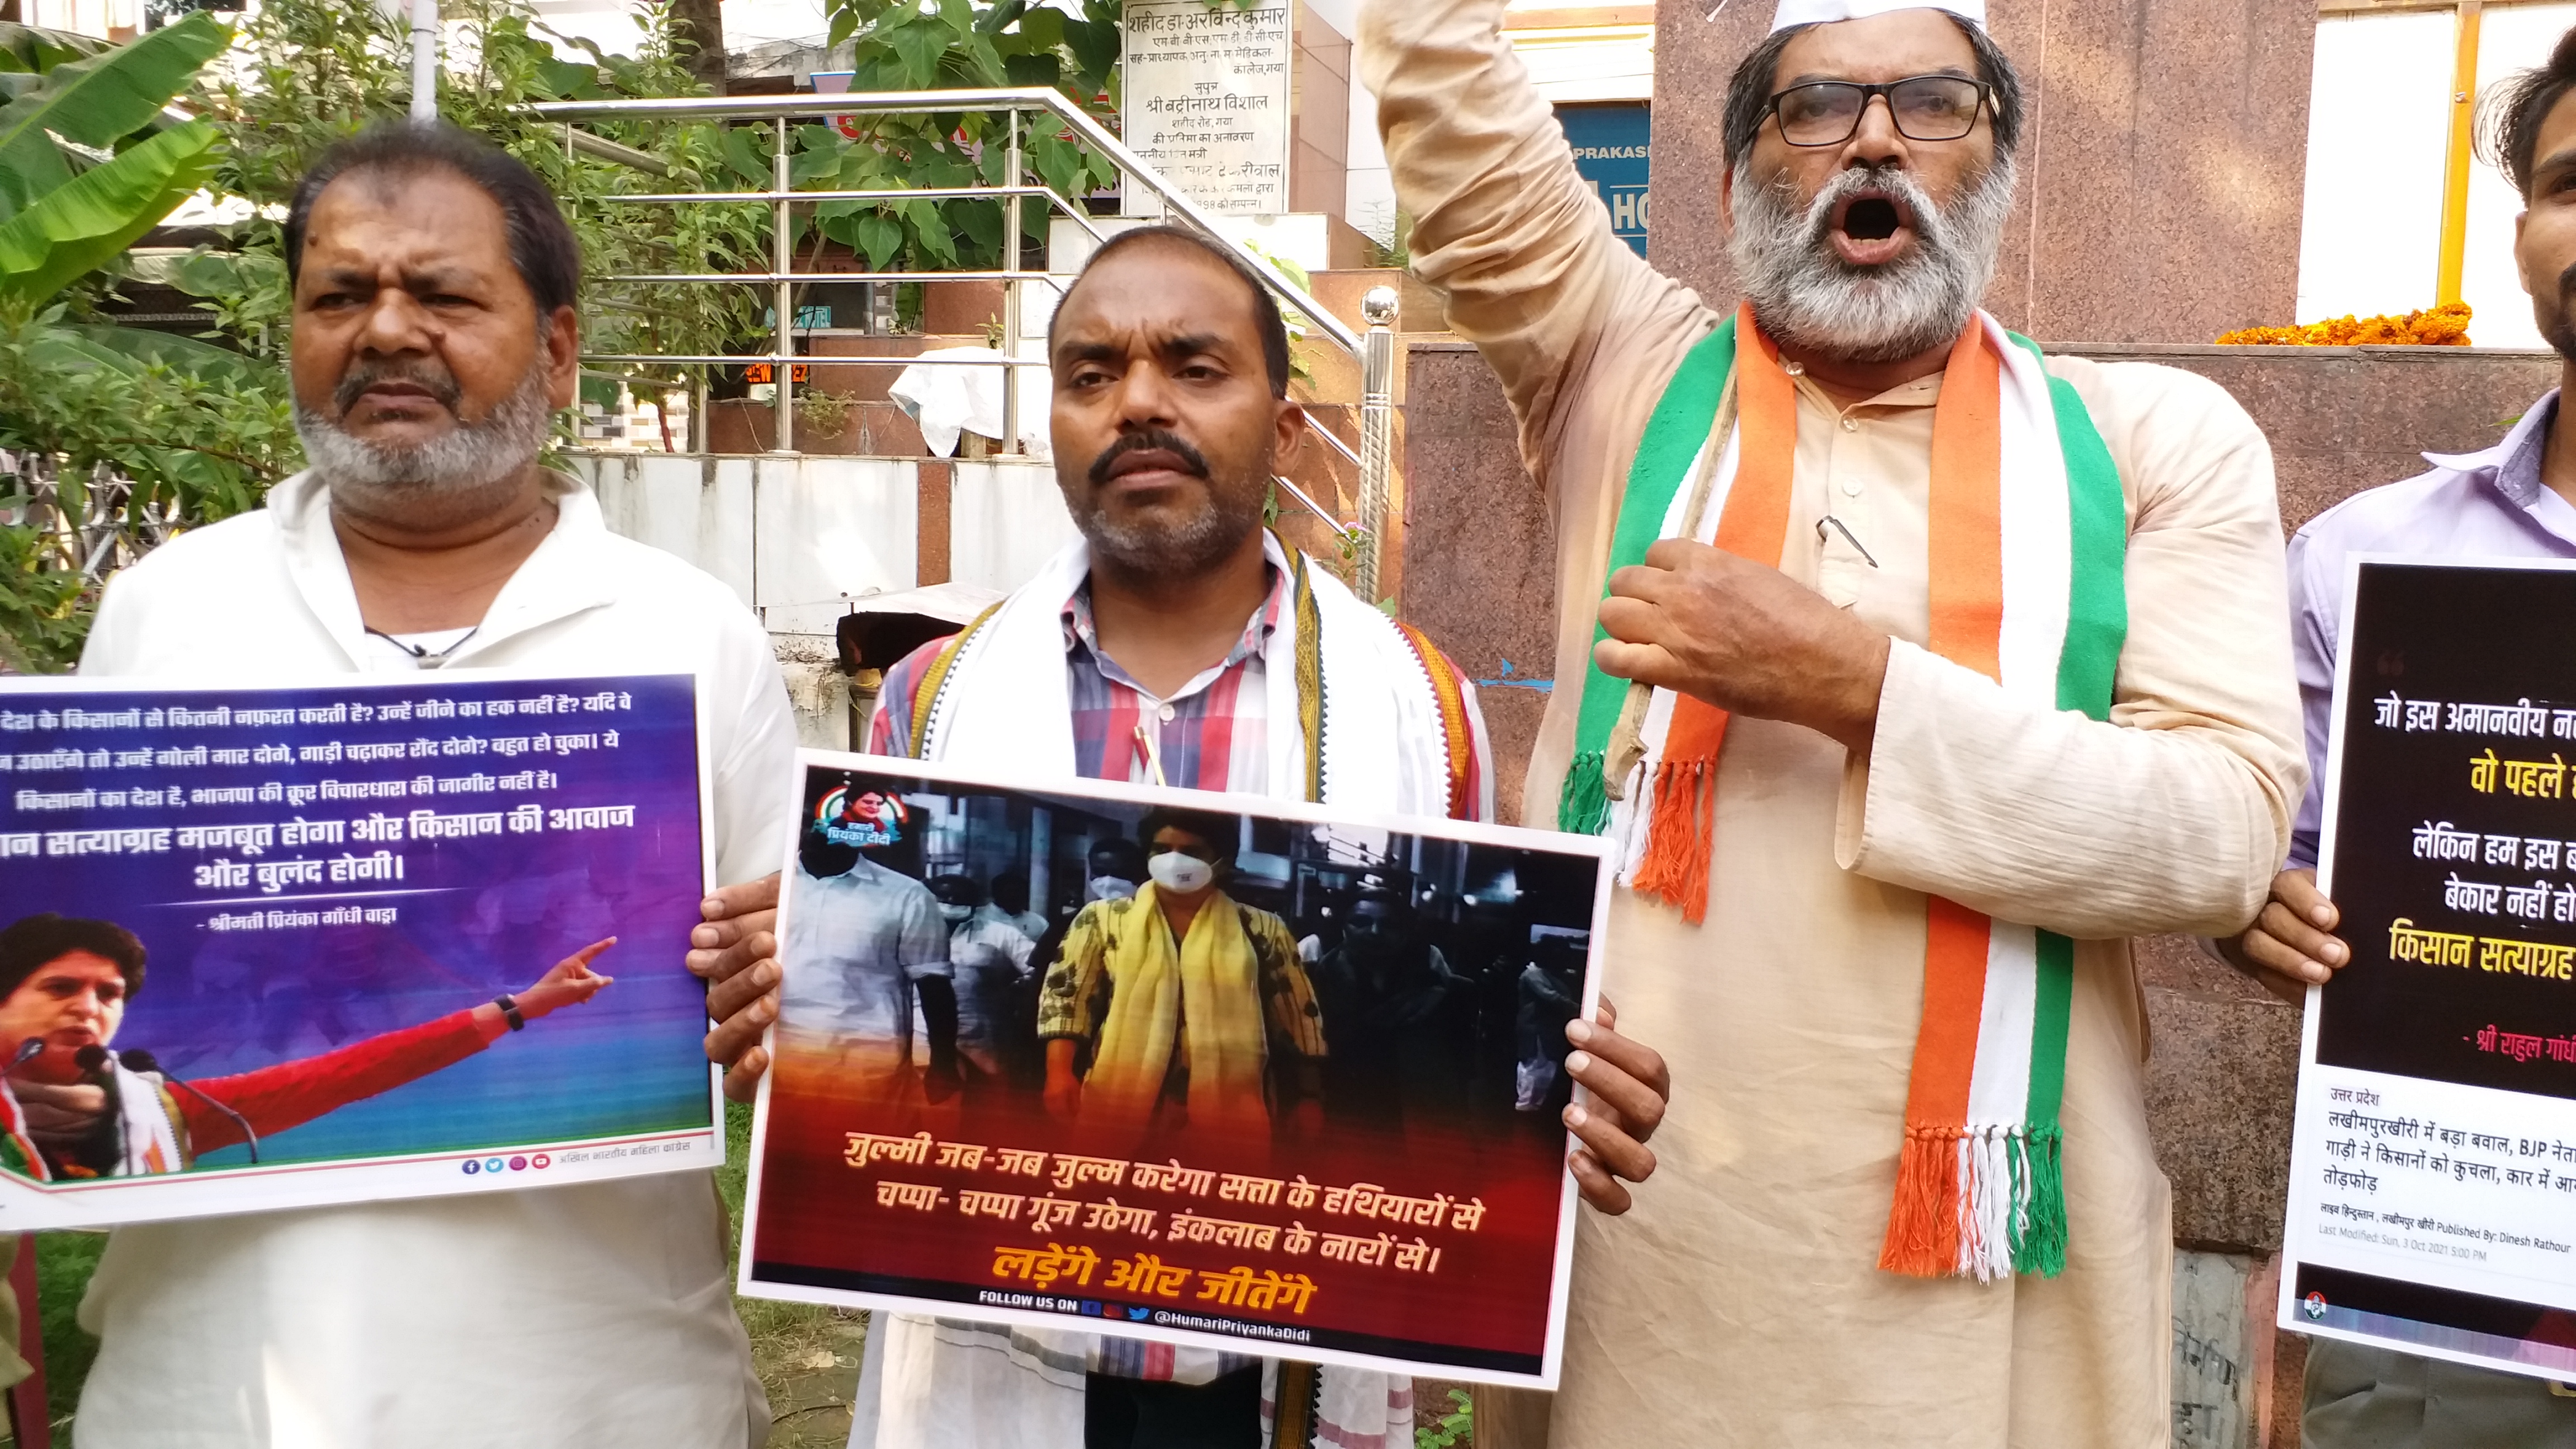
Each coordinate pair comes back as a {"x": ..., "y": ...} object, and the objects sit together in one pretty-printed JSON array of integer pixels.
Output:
[{"x": 1924, "y": 107}]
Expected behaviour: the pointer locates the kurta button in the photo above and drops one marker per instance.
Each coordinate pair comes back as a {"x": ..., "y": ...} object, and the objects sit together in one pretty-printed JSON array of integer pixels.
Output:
[
  {"x": 1851, "y": 487},
  {"x": 1851, "y": 425}
]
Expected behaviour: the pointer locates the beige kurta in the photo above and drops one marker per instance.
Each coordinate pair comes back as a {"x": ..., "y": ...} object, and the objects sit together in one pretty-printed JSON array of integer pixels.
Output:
[{"x": 1740, "y": 1303}]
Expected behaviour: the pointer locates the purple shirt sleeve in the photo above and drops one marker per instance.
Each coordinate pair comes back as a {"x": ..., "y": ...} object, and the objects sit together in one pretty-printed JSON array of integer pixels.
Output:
[
  {"x": 2316, "y": 614},
  {"x": 2487, "y": 504}
]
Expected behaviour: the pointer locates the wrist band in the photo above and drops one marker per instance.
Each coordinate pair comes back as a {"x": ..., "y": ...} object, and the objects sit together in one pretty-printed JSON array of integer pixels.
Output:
[{"x": 510, "y": 1013}]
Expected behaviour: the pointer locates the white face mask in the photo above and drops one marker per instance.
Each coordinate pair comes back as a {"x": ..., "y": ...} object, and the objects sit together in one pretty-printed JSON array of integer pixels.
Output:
[
  {"x": 956, "y": 915},
  {"x": 1111, "y": 887},
  {"x": 1180, "y": 874}
]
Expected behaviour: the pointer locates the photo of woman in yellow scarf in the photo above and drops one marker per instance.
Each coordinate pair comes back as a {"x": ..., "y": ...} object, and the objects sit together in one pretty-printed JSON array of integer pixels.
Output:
[{"x": 1171, "y": 1006}]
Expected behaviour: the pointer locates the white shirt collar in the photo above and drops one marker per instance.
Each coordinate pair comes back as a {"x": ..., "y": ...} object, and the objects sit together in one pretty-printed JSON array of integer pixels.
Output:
[{"x": 566, "y": 575}]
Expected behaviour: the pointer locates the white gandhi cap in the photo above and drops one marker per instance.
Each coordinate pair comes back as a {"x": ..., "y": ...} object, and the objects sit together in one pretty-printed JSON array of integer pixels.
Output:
[{"x": 1821, "y": 12}]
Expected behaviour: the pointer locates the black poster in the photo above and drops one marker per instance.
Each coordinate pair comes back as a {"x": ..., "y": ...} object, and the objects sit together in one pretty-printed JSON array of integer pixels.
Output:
[{"x": 2433, "y": 1159}]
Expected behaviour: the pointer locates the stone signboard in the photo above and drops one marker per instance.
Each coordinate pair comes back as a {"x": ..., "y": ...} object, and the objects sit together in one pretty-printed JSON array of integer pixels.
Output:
[{"x": 1207, "y": 102}]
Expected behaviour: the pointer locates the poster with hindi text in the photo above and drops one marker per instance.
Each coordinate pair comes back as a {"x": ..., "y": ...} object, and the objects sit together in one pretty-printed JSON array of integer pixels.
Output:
[
  {"x": 2433, "y": 1165},
  {"x": 1177, "y": 1067},
  {"x": 372, "y": 937}
]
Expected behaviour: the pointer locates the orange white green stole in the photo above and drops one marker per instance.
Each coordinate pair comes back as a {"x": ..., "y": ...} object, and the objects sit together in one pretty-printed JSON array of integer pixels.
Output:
[{"x": 2027, "y": 533}]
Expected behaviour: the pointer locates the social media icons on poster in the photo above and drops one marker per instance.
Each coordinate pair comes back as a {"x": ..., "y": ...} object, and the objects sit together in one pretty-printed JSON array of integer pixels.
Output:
[{"x": 540, "y": 1161}]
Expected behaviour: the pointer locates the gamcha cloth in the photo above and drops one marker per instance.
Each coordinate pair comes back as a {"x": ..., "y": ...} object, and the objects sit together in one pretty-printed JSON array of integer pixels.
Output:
[
  {"x": 1741, "y": 1301},
  {"x": 594, "y": 1316}
]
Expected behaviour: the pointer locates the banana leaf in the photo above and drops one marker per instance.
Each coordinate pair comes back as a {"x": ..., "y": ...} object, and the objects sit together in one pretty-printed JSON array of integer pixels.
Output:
[
  {"x": 131, "y": 349},
  {"x": 97, "y": 101},
  {"x": 79, "y": 227},
  {"x": 34, "y": 50}
]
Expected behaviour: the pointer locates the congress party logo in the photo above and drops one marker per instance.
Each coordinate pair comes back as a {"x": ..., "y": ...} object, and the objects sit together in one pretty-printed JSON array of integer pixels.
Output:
[{"x": 2315, "y": 1306}]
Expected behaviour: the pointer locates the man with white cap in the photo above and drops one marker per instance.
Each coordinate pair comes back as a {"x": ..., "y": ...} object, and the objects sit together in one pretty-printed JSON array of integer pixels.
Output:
[{"x": 1912, "y": 671}]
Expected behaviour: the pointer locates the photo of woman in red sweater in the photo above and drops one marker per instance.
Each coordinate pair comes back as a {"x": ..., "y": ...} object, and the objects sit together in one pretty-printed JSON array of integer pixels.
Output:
[{"x": 72, "y": 1107}]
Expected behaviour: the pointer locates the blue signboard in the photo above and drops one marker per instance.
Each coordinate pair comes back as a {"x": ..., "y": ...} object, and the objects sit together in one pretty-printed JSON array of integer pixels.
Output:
[{"x": 1610, "y": 147}]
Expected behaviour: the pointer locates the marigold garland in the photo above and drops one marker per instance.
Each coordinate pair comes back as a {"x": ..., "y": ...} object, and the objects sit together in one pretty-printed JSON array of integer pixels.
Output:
[{"x": 2443, "y": 326}]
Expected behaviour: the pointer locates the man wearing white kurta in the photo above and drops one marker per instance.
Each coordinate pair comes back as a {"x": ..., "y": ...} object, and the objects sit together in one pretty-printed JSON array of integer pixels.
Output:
[
  {"x": 872, "y": 933},
  {"x": 433, "y": 336},
  {"x": 1956, "y": 665}
]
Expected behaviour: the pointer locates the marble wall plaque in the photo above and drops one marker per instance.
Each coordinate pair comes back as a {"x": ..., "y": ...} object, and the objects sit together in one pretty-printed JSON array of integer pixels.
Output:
[{"x": 1207, "y": 102}]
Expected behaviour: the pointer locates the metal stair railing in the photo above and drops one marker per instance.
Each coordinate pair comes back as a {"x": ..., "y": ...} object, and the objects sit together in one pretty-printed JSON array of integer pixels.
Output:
[{"x": 1372, "y": 461}]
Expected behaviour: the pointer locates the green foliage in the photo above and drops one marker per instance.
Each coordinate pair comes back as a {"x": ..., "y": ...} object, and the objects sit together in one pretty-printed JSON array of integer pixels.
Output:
[
  {"x": 95, "y": 102},
  {"x": 86, "y": 162},
  {"x": 125, "y": 435},
  {"x": 89, "y": 220},
  {"x": 1299, "y": 370},
  {"x": 64, "y": 1263},
  {"x": 912, "y": 45},
  {"x": 32, "y": 50},
  {"x": 1458, "y": 1426},
  {"x": 315, "y": 71},
  {"x": 176, "y": 433},
  {"x": 1397, "y": 249}
]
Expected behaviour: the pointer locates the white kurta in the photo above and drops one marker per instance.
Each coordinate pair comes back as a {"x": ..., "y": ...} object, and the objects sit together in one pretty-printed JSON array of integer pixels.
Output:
[
  {"x": 854, "y": 945},
  {"x": 596, "y": 1316},
  {"x": 1741, "y": 1304}
]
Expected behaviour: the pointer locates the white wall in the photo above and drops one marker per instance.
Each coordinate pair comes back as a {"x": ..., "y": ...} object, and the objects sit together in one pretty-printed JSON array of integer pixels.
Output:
[
  {"x": 2511, "y": 38},
  {"x": 611, "y": 24},
  {"x": 88, "y": 17},
  {"x": 1005, "y": 520},
  {"x": 2378, "y": 129},
  {"x": 794, "y": 537},
  {"x": 2378, "y": 143},
  {"x": 1610, "y": 67},
  {"x": 760, "y": 22},
  {"x": 798, "y": 537},
  {"x": 1609, "y": 64}
]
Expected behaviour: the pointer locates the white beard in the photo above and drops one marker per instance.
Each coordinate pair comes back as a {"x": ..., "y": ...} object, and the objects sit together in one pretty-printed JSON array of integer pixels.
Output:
[
  {"x": 1805, "y": 295},
  {"x": 462, "y": 460}
]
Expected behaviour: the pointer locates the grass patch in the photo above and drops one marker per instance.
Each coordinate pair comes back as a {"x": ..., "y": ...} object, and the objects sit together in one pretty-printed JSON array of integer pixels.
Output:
[
  {"x": 64, "y": 1262},
  {"x": 807, "y": 1356}
]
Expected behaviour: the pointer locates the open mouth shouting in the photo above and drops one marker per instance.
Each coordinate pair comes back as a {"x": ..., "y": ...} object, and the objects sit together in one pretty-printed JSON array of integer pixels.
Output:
[{"x": 1870, "y": 228}]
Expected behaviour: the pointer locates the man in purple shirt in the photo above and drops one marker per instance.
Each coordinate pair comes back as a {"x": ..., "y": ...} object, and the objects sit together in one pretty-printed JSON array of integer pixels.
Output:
[{"x": 2510, "y": 501}]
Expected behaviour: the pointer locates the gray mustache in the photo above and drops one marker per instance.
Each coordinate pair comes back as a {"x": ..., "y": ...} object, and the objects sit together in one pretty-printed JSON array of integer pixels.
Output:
[{"x": 364, "y": 375}]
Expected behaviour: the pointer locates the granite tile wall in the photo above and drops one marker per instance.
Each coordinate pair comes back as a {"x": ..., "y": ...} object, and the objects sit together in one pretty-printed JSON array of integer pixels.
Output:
[
  {"x": 2342, "y": 419},
  {"x": 2162, "y": 174}
]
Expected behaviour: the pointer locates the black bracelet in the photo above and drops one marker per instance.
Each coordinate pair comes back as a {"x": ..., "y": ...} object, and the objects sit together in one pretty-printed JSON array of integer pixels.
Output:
[{"x": 510, "y": 1013}]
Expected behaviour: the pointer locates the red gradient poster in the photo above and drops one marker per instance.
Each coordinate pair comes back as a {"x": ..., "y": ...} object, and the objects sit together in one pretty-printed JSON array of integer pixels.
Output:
[{"x": 1175, "y": 1066}]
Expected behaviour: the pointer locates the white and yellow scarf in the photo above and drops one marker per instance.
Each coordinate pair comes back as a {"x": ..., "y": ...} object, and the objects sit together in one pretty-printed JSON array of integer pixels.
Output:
[
  {"x": 1212, "y": 972},
  {"x": 1362, "y": 709}
]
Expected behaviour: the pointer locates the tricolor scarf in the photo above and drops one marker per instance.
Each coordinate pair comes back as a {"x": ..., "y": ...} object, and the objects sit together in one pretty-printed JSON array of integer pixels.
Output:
[{"x": 2027, "y": 533}]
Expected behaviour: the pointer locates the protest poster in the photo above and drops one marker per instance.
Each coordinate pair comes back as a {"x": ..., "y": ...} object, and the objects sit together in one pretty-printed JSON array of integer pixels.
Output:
[
  {"x": 252, "y": 941},
  {"x": 1320, "y": 1120},
  {"x": 2432, "y": 1198}
]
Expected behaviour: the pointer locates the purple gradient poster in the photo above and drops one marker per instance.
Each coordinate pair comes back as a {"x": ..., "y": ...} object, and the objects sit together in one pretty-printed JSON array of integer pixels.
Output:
[{"x": 371, "y": 938}]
